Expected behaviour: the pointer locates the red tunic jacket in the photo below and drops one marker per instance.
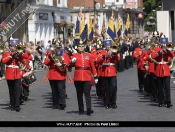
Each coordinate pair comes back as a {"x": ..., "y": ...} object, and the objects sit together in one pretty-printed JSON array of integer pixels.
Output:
[
  {"x": 54, "y": 72},
  {"x": 83, "y": 66},
  {"x": 151, "y": 64},
  {"x": 12, "y": 66},
  {"x": 162, "y": 67},
  {"x": 108, "y": 64},
  {"x": 26, "y": 60},
  {"x": 139, "y": 58}
]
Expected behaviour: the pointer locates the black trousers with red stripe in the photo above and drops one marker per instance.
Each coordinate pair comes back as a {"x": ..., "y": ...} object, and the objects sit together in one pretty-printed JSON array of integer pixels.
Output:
[
  {"x": 14, "y": 92},
  {"x": 58, "y": 92},
  {"x": 110, "y": 84},
  {"x": 164, "y": 87}
]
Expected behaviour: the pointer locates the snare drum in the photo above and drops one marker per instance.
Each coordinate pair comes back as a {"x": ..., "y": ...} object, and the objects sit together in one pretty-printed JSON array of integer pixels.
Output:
[{"x": 29, "y": 78}]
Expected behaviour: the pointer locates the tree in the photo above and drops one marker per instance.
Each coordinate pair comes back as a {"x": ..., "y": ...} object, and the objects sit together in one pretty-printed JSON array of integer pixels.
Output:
[{"x": 150, "y": 6}]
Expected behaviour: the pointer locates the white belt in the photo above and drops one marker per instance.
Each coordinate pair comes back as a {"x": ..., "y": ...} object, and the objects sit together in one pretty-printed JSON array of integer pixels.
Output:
[
  {"x": 108, "y": 64},
  {"x": 163, "y": 62},
  {"x": 12, "y": 66}
]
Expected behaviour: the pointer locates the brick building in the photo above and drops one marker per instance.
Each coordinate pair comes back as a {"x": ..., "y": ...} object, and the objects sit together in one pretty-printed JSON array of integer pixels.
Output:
[{"x": 84, "y": 3}]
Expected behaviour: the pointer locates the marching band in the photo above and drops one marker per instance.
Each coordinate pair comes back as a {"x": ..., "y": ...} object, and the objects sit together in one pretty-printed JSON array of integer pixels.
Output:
[{"x": 96, "y": 63}]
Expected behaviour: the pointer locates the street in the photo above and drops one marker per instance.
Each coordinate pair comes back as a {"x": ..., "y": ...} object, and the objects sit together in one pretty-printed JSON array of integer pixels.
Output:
[{"x": 132, "y": 105}]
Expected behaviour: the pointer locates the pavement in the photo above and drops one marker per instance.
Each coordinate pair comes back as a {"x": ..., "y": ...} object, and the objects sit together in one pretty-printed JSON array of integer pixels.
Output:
[{"x": 132, "y": 106}]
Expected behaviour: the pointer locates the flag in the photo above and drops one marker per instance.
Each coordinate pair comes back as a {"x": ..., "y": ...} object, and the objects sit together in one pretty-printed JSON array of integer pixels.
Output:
[
  {"x": 127, "y": 27},
  {"x": 118, "y": 26},
  {"x": 96, "y": 27},
  {"x": 77, "y": 28},
  {"x": 111, "y": 28},
  {"x": 83, "y": 28},
  {"x": 90, "y": 29},
  {"x": 103, "y": 31},
  {"x": 84, "y": 33}
]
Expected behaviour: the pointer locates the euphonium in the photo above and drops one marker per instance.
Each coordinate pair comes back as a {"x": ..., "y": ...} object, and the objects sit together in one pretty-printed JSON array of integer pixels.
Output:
[
  {"x": 19, "y": 48},
  {"x": 115, "y": 48},
  {"x": 170, "y": 46}
]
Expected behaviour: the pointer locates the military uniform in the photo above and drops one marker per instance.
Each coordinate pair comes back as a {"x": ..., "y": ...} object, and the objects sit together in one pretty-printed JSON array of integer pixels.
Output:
[
  {"x": 57, "y": 77},
  {"x": 140, "y": 69},
  {"x": 84, "y": 64},
  {"x": 109, "y": 76},
  {"x": 13, "y": 75},
  {"x": 26, "y": 61},
  {"x": 163, "y": 74}
]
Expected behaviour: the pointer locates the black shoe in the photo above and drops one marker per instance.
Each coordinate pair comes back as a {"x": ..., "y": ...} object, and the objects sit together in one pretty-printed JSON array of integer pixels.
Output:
[
  {"x": 89, "y": 112},
  {"x": 25, "y": 98},
  {"x": 114, "y": 106},
  {"x": 160, "y": 105},
  {"x": 21, "y": 101},
  {"x": 107, "y": 106},
  {"x": 12, "y": 108},
  {"x": 81, "y": 112},
  {"x": 17, "y": 109},
  {"x": 62, "y": 106},
  {"x": 169, "y": 105},
  {"x": 55, "y": 107}
]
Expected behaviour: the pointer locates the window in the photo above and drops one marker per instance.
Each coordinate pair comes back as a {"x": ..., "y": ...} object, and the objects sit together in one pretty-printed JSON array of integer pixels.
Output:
[
  {"x": 58, "y": 1},
  {"x": 117, "y": 0}
]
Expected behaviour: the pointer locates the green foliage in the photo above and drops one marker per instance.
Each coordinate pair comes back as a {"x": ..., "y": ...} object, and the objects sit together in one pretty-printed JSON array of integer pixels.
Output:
[{"x": 151, "y": 5}]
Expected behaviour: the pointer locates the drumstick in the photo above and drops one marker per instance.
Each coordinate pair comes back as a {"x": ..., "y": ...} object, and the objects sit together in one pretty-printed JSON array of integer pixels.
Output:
[
  {"x": 45, "y": 78},
  {"x": 69, "y": 78}
]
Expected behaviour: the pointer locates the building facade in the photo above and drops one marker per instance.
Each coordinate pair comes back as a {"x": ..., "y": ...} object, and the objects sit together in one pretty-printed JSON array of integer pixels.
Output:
[
  {"x": 167, "y": 24},
  {"x": 105, "y": 11},
  {"x": 44, "y": 24}
]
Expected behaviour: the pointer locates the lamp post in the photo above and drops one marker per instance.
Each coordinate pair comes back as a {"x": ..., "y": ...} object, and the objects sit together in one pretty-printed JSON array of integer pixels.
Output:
[{"x": 94, "y": 7}]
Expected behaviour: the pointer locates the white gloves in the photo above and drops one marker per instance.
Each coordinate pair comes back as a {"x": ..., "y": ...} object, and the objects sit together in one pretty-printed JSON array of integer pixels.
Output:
[
  {"x": 96, "y": 81},
  {"x": 74, "y": 60}
]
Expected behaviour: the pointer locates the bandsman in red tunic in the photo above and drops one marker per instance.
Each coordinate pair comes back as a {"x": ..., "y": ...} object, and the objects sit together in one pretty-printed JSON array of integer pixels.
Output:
[
  {"x": 84, "y": 65},
  {"x": 27, "y": 57},
  {"x": 139, "y": 54},
  {"x": 162, "y": 71},
  {"x": 13, "y": 76},
  {"x": 57, "y": 61},
  {"x": 108, "y": 58},
  {"x": 149, "y": 66}
]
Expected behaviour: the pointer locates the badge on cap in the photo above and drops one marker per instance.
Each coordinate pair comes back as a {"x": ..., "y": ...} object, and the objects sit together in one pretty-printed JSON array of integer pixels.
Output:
[
  {"x": 59, "y": 52},
  {"x": 108, "y": 42},
  {"x": 164, "y": 40},
  {"x": 14, "y": 42}
]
